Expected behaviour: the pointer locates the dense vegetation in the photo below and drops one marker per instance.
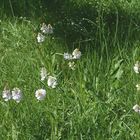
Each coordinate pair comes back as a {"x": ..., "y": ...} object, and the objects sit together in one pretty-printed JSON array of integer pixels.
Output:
[
  {"x": 93, "y": 101},
  {"x": 81, "y": 19}
]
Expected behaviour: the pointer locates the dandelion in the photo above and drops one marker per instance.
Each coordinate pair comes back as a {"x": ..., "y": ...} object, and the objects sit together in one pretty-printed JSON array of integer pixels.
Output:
[
  {"x": 138, "y": 87},
  {"x": 71, "y": 65},
  {"x": 52, "y": 82},
  {"x": 44, "y": 28},
  {"x": 40, "y": 94},
  {"x": 16, "y": 95},
  {"x": 137, "y": 67},
  {"x": 43, "y": 73},
  {"x": 76, "y": 54},
  {"x": 40, "y": 38},
  {"x": 136, "y": 108},
  {"x": 67, "y": 56},
  {"x": 6, "y": 95}
]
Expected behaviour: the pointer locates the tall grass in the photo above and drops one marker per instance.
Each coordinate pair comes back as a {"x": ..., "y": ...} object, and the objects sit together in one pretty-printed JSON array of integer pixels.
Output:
[
  {"x": 93, "y": 102},
  {"x": 79, "y": 19}
]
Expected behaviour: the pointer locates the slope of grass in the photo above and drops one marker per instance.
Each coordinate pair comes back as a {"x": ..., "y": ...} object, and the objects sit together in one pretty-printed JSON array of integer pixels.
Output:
[{"x": 92, "y": 102}]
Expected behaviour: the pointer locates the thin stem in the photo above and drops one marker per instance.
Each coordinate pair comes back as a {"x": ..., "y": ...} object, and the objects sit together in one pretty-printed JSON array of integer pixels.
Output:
[{"x": 11, "y": 8}]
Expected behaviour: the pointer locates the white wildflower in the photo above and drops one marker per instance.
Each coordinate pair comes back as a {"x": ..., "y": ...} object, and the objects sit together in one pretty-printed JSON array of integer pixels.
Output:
[
  {"x": 71, "y": 65},
  {"x": 40, "y": 38},
  {"x": 44, "y": 28},
  {"x": 136, "y": 108},
  {"x": 138, "y": 87},
  {"x": 16, "y": 95},
  {"x": 52, "y": 82},
  {"x": 6, "y": 95},
  {"x": 43, "y": 73},
  {"x": 67, "y": 56},
  {"x": 40, "y": 94},
  {"x": 76, "y": 54},
  {"x": 137, "y": 67},
  {"x": 49, "y": 29}
]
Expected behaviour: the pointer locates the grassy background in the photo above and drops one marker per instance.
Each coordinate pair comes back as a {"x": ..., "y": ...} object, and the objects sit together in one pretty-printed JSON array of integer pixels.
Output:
[
  {"x": 80, "y": 19},
  {"x": 93, "y": 102}
]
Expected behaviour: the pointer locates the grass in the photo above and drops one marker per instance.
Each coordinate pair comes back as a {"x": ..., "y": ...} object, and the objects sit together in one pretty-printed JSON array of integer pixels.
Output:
[{"x": 92, "y": 102}]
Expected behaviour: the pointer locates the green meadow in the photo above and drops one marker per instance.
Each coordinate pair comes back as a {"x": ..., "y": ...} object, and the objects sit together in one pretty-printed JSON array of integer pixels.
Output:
[{"x": 93, "y": 101}]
